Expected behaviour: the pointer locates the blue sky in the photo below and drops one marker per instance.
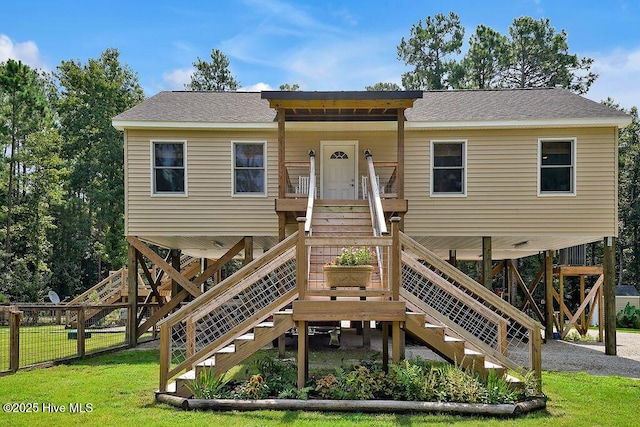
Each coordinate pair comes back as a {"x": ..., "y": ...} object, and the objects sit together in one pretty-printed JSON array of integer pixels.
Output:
[{"x": 321, "y": 45}]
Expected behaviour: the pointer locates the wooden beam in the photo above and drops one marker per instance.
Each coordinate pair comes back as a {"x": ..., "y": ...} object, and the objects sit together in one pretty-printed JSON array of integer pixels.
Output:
[
  {"x": 162, "y": 312},
  {"x": 349, "y": 310},
  {"x": 215, "y": 266},
  {"x": 171, "y": 272},
  {"x": 609, "y": 293},
  {"x": 175, "y": 263},
  {"x": 303, "y": 353},
  {"x": 486, "y": 263},
  {"x": 132, "y": 299},
  {"x": 526, "y": 292},
  {"x": 400, "y": 155},
  {"x": 453, "y": 258},
  {"x": 282, "y": 170},
  {"x": 248, "y": 250}
]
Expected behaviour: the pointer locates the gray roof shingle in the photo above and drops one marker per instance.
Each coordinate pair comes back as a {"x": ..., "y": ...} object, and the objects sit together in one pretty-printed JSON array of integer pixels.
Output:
[{"x": 435, "y": 106}]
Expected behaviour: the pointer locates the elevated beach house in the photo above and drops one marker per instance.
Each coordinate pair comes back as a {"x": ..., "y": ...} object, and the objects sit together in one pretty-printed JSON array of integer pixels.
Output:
[{"x": 287, "y": 180}]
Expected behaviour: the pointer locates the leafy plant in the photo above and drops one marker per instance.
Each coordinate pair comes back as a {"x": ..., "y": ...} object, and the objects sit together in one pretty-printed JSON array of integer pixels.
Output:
[
  {"x": 253, "y": 388},
  {"x": 353, "y": 256},
  {"x": 629, "y": 317},
  {"x": 498, "y": 390},
  {"x": 208, "y": 385},
  {"x": 280, "y": 376},
  {"x": 455, "y": 385},
  {"x": 575, "y": 336}
]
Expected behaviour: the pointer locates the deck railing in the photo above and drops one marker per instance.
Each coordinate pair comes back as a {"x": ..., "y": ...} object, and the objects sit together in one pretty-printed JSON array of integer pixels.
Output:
[
  {"x": 469, "y": 309},
  {"x": 234, "y": 306}
]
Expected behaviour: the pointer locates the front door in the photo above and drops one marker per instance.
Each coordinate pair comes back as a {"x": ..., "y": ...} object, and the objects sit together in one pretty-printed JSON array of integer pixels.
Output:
[{"x": 339, "y": 169}]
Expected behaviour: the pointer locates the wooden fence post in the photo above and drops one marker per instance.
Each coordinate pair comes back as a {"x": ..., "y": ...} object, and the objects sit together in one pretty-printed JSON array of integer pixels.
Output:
[
  {"x": 15, "y": 316},
  {"x": 80, "y": 331}
]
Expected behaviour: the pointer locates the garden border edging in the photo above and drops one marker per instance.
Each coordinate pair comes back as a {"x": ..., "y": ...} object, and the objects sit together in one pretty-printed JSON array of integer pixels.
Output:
[{"x": 353, "y": 405}]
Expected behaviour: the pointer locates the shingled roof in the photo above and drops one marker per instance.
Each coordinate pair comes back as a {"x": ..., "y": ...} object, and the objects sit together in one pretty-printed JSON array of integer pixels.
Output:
[{"x": 435, "y": 107}]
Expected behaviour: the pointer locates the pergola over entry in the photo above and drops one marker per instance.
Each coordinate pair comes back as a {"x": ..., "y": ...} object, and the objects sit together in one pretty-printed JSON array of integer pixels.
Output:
[{"x": 341, "y": 106}]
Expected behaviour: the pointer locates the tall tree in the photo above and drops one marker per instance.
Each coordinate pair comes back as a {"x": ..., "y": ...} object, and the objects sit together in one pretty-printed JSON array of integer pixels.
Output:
[
  {"x": 485, "y": 58},
  {"x": 23, "y": 102},
  {"x": 539, "y": 57},
  {"x": 30, "y": 144},
  {"x": 90, "y": 96},
  {"x": 429, "y": 50},
  {"x": 214, "y": 75},
  {"x": 382, "y": 86},
  {"x": 628, "y": 243}
]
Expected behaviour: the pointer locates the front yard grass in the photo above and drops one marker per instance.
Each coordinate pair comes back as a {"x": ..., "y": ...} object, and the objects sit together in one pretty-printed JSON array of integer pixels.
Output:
[{"x": 120, "y": 389}]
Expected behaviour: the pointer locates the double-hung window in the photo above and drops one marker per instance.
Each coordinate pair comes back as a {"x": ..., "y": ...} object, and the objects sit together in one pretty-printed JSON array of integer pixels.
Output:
[
  {"x": 557, "y": 166},
  {"x": 448, "y": 165},
  {"x": 168, "y": 167},
  {"x": 249, "y": 168}
]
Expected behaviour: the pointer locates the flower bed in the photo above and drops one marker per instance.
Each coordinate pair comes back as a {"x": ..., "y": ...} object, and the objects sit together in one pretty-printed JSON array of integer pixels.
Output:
[{"x": 415, "y": 385}]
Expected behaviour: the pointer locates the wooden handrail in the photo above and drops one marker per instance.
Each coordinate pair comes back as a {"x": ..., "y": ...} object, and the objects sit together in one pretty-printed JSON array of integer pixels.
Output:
[
  {"x": 374, "y": 197},
  {"x": 205, "y": 298},
  {"x": 312, "y": 190}
]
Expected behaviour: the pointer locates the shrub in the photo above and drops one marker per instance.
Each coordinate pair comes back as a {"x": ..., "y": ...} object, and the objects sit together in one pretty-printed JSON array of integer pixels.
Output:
[
  {"x": 629, "y": 317},
  {"x": 208, "y": 385}
]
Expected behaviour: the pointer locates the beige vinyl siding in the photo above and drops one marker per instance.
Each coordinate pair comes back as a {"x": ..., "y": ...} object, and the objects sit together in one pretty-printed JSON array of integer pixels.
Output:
[
  {"x": 502, "y": 170},
  {"x": 209, "y": 209}
]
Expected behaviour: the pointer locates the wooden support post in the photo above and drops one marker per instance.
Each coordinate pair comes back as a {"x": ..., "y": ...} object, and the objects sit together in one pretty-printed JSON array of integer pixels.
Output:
[
  {"x": 282, "y": 171},
  {"x": 548, "y": 293},
  {"x": 453, "y": 258},
  {"x": 395, "y": 339},
  {"x": 561, "y": 301},
  {"x": 535, "y": 350},
  {"x": 80, "y": 331},
  {"x": 600, "y": 315},
  {"x": 366, "y": 334},
  {"x": 248, "y": 250},
  {"x": 609, "y": 293},
  {"x": 132, "y": 287},
  {"x": 400, "y": 155},
  {"x": 486, "y": 263},
  {"x": 396, "y": 259},
  {"x": 175, "y": 263},
  {"x": 282, "y": 224},
  {"x": 303, "y": 352},
  {"x": 385, "y": 346},
  {"x": 583, "y": 326},
  {"x": 165, "y": 356},
  {"x": 15, "y": 316}
]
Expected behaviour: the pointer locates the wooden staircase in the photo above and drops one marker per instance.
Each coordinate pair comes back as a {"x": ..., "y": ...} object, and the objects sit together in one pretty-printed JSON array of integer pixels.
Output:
[
  {"x": 338, "y": 218},
  {"x": 453, "y": 349},
  {"x": 233, "y": 354}
]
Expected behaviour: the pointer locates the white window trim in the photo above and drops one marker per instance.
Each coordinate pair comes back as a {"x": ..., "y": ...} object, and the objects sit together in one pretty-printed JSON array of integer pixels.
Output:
[
  {"x": 464, "y": 143},
  {"x": 233, "y": 169},
  {"x": 574, "y": 157},
  {"x": 153, "y": 168}
]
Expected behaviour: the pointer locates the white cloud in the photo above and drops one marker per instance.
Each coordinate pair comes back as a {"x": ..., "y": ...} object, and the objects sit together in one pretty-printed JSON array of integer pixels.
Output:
[
  {"x": 618, "y": 77},
  {"x": 27, "y": 52},
  {"x": 176, "y": 79},
  {"x": 258, "y": 87}
]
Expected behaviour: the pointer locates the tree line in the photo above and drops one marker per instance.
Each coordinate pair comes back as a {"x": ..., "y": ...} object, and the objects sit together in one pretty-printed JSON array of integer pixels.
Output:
[{"x": 62, "y": 171}]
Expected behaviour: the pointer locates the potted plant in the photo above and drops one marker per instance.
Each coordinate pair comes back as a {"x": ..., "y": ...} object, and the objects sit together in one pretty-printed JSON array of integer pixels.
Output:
[{"x": 352, "y": 268}]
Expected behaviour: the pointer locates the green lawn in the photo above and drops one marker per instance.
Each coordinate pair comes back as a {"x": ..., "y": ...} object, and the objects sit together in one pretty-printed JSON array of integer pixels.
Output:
[{"x": 119, "y": 387}]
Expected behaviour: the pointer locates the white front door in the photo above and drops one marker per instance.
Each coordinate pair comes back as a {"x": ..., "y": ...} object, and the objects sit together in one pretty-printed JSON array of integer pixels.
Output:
[{"x": 339, "y": 169}]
